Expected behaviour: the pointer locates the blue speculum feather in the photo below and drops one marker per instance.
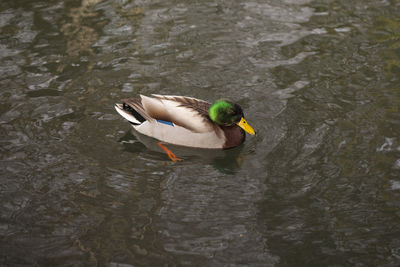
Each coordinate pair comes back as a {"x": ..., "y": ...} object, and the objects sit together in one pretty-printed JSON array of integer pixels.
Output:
[{"x": 166, "y": 122}]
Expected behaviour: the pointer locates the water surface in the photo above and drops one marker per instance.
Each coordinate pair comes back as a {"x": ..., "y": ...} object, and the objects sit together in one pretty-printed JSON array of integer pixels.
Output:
[{"x": 318, "y": 186}]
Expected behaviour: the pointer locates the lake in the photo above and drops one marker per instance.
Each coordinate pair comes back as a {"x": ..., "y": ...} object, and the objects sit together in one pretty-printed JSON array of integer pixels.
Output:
[{"x": 319, "y": 185}]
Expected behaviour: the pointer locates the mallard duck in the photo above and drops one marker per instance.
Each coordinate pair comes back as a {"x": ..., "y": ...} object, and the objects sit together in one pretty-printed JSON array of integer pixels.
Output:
[{"x": 187, "y": 121}]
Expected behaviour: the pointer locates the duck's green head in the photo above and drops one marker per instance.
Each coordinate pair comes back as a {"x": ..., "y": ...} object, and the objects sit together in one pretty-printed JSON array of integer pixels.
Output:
[{"x": 226, "y": 113}]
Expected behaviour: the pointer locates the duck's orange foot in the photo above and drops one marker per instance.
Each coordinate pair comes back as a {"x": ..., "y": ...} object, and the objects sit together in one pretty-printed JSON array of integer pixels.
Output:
[{"x": 169, "y": 152}]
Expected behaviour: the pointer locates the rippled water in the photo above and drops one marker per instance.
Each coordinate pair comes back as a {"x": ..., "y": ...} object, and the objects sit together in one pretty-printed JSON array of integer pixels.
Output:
[{"x": 318, "y": 186}]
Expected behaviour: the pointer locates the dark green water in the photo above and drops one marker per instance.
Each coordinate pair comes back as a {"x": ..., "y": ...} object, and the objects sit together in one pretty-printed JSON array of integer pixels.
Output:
[{"x": 318, "y": 186}]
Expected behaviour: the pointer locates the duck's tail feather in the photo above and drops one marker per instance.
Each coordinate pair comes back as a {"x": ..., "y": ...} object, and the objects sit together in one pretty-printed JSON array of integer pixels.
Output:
[{"x": 132, "y": 110}]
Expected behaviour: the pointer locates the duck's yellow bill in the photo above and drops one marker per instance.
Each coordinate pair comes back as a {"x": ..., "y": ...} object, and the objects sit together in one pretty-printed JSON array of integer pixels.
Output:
[{"x": 245, "y": 126}]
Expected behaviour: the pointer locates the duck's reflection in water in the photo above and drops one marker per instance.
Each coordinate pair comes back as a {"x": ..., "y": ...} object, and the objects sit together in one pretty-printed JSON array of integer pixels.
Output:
[{"x": 227, "y": 161}]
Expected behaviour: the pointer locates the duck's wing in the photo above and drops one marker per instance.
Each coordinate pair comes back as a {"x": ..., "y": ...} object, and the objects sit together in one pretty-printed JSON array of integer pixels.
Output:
[
  {"x": 187, "y": 112},
  {"x": 190, "y": 103}
]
